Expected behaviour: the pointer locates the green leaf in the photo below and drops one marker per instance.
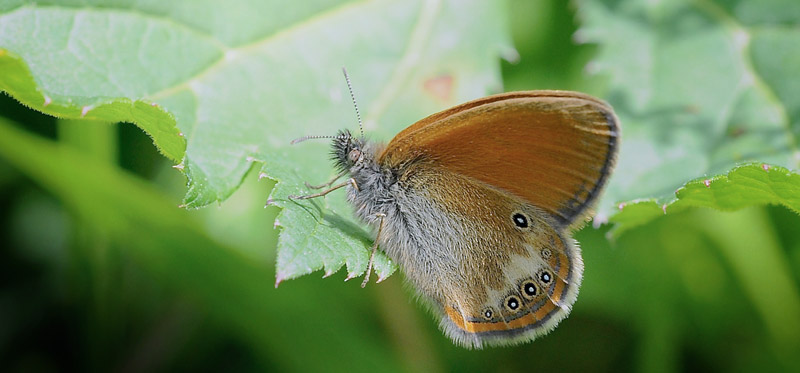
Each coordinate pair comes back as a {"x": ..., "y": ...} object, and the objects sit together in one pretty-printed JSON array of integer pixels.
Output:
[
  {"x": 20, "y": 83},
  {"x": 746, "y": 185},
  {"x": 240, "y": 79},
  {"x": 700, "y": 87},
  {"x": 321, "y": 233}
]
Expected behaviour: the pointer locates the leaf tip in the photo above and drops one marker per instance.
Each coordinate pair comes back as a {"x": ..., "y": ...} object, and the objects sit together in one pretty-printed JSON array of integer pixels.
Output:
[
  {"x": 47, "y": 100},
  {"x": 599, "y": 219},
  {"x": 765, "y": 167},
  {"x": 511, "y": 55},
  {"x": 179, "y": 166},
  {"x": 279, "y": 277},
  {"x": 85, "y": 110},
  {"x": 707, "y": 183},
  {"x": 350, "y": 276}
]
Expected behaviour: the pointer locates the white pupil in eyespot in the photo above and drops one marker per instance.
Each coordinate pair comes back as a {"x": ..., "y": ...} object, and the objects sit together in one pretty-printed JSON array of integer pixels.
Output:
[{"x": 520, "y": 220}]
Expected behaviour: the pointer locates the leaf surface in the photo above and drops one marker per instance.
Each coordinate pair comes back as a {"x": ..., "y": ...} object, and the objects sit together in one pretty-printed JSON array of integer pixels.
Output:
[
  {"x": 700, "y": 87},
  {"x": 221, "y": 85}
]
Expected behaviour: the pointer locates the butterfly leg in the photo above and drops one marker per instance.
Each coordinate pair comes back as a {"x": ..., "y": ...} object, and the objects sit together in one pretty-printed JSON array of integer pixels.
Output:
[
  {"x": 374, "y": 249},
  {"x": 350, "y": 181},
  {"x": 329, "y": 183}
]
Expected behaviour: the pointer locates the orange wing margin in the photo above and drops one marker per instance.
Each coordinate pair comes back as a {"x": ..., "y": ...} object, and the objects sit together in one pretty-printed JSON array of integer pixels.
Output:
[{"x": 553, "y": 149}]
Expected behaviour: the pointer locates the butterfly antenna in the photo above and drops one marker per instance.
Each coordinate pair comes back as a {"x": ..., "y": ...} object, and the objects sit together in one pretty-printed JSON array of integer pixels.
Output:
[
  {"x": 353, "y": 96},
  {"x": 304, "y": 138}
]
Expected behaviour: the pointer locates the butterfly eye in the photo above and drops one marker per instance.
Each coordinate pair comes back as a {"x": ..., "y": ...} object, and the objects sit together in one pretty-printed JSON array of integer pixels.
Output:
[
  {"x": 354, "y": 155},
  {"x": 529, "y": 289},
  {"x": 545, "y": 277},
  {"x": 512, "y": 303},
  {"x": 520, "y": 220},
  {"x": 488, "y": 313}
]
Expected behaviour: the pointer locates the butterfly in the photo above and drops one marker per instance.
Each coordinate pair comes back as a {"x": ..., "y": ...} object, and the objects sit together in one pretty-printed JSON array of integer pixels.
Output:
[{"x": 476, "y": 204}]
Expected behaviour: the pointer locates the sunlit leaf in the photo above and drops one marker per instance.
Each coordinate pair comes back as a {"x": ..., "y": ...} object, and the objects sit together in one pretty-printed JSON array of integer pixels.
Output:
[{"x": 233, "y": 82}]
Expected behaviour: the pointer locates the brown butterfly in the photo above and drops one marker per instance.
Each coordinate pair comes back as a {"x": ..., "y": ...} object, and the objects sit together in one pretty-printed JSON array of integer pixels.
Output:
[{"x": 476, "y": 205}]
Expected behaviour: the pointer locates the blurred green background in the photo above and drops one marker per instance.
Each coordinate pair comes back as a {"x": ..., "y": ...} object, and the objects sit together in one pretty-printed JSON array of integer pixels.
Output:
[{"x": 106, "y": 273}]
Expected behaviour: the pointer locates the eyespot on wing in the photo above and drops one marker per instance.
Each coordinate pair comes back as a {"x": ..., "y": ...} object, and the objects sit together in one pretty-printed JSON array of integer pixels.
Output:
[{"x": 544, "y": 287}]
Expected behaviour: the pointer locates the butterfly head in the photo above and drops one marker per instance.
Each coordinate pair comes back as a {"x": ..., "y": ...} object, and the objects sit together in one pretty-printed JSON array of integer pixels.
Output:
[{"x": 348, "y": 151}]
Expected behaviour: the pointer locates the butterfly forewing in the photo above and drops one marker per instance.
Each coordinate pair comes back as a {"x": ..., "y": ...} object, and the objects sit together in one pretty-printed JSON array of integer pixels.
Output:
[{"x": 553, "y": 149}]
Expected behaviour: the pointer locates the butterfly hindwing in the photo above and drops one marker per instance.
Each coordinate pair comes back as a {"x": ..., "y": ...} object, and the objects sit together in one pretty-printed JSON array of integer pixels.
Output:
[
  {"x": 497, "y": 269},
  {"x": 540, "y": 285}
]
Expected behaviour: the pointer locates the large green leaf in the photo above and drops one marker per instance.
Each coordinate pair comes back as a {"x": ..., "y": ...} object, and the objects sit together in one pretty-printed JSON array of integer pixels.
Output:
[
  {"x": 700, "y": 86},
  {"x": 233, "y": 82}
]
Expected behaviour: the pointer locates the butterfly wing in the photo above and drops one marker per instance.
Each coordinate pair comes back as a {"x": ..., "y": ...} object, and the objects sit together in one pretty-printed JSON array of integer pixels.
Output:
[
  {"x": 497, "y": 182},
  {"x": 553, "y": 149}
]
